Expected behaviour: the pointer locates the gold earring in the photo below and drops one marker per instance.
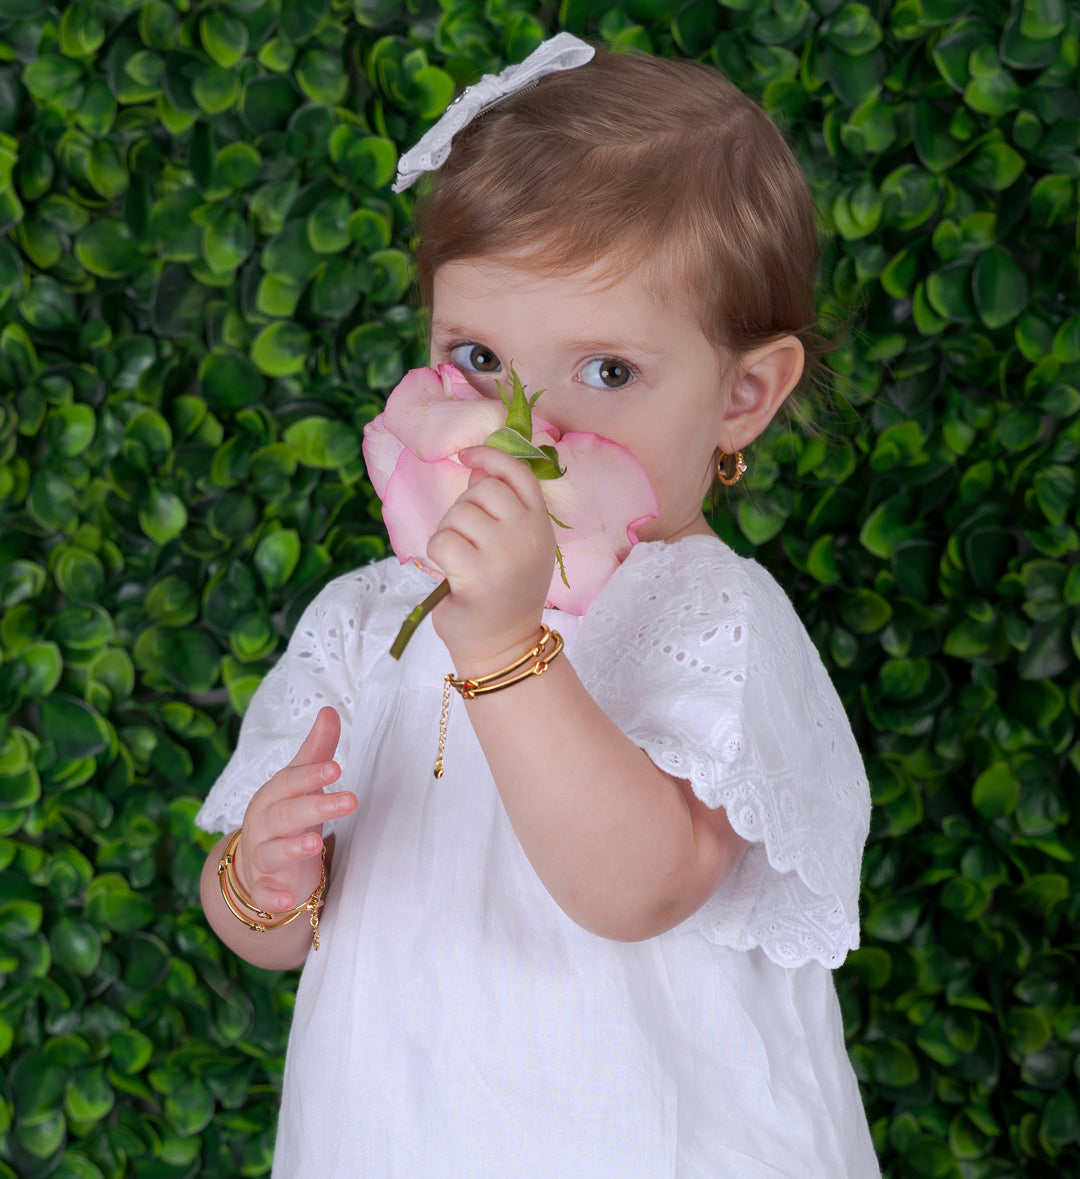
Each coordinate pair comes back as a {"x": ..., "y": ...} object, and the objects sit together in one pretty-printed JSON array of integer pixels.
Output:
[{"x": 730, "y": 468}]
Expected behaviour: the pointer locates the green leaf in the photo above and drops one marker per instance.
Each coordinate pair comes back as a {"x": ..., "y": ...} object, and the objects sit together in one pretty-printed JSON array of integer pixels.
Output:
[
  {"x": 107, "y": 249},
  {"x": 1047, "y": 653},
  {"x": 1043, "y": 891},
  {"x": 70, "y": 429},
  {"x": 81, "y": 31},
  {"x": 76, "y": 1166},
  {"x": 1000, "y": 288},
  {"x": 163, "y": 515},
  {"x": 858, "y": 212},
  {"x": 363, "y": 159},
  {"x": 188, "y": 659},
  {"x": 369, "y": 230},
  {"x": 215, "y": 88},
  {"x": 78, "y": 574},
  {"x": 871, "y": 965},
  {"x": 190, "y": 1106},
  {"x": 147, "y": 962},
  {"x": 393, "y": 274},
  {"x": 237, "y": 165},
  {"x": 224, "y": 37},
  {"x": 290, "y": 254},
  {"x": 893, "y": 920},
  {"x": 51, "y": 75},
  {"x": 229, "y": 380},
  {"x": 863, "y": 611},
  {"x": 761, "y": 520},
  {"x": 266, "y": 104},
  {"x": 48, "y": 306},
  {"x": 323, "y": 443},
  {"x": 996, "y": 166},
  {"x": 321, "y": 75},
  {"x": 44, "y": 665},
  {"x": 328, "y": 225},
  {"x": 73, "y": 728},
  {"x": 76, "y": 944},
  {"x": 19, "y": 920},
  {"x": 130, "y": 1050},
  {"x": 934, "y": 141},
  {"x": 88, "y": 1096},
  {"x": 1061, "y": 1121},
  {"x": 299, "y": 19},
  {"x": 227, "y": 241},
  {"x": 949, "y": 290},
  {"x": 276, "y": 557},
  {"x": 892, "y": 1063},
  {"x": 111, "y": 902},
  {"x": 996, "y": 791},
  {"x": 432, "y": 89},
  {"x": 277, "y": 55},
  {"x": 992, "y": 90},
  {"x": 281, "y": 350},
  {"x": 904, "y": 679},
  {"x": 105, "y": 170}
]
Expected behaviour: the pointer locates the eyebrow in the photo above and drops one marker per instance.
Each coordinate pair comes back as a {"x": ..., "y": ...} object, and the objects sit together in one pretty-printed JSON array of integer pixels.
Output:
[{"x": 446, "y": 329}]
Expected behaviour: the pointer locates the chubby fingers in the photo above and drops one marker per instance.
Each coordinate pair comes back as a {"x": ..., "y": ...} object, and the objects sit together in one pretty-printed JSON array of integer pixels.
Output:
[
  {"x": 487, "y": 461},
  {"x": 283, "y": 824},
  {"x": 311, "y": 769}
]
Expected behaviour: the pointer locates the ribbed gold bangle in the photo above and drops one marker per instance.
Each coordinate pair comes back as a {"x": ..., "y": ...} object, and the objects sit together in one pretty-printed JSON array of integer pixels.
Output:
[
  {"x": 266, "y": 921},
  {"x": 535, "y": 661}
]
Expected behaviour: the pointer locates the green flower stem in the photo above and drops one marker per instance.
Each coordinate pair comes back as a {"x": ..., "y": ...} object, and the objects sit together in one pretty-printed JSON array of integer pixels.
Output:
[{"x": 417, "y": 615}]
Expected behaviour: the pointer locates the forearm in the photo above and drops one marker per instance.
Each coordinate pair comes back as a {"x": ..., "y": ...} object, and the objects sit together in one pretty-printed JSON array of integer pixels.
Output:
[
  {"x": 276, "y": 949},
  {"x": 626, "y": 850}
]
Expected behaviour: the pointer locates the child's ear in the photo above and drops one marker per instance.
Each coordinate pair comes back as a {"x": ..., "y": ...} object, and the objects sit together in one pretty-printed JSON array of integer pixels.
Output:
[{"x": 765, "y": 378}]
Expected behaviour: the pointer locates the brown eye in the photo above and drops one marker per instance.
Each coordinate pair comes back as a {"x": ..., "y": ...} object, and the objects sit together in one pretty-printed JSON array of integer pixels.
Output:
[
  {"x": 475, "y": 358},
  {"x": 608, "y": 373}
]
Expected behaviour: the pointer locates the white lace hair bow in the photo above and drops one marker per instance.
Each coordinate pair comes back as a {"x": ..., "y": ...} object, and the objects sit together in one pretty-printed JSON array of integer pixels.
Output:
[{"x": 564, "y": 51}]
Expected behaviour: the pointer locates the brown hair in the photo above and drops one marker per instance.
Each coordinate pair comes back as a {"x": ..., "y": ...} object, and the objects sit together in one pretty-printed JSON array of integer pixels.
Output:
[{"x": 650, "y": 163}]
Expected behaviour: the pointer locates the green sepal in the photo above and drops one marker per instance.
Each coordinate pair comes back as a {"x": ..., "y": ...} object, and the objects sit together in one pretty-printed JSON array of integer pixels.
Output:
[
  {"x": 518, "y": 407},
  {"x": 515, "y": 438},
  {"x": 543, "y": 460}
]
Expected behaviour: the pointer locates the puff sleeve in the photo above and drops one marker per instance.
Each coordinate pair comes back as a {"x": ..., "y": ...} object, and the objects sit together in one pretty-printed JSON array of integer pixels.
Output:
[
  {"x": 699, "y": 656},
  {"x": 325, "y": 663}
]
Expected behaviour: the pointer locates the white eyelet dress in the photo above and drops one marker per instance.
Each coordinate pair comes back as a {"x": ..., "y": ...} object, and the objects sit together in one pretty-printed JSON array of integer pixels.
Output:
[{"x": 455, "y": 1023}]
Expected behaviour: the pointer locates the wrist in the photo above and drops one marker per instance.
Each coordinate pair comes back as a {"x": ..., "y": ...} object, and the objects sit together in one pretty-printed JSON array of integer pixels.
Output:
[{"x": 494, "y": 652}]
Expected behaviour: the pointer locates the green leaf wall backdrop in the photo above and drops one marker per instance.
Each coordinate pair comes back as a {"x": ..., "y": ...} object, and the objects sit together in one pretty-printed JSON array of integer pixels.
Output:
[{"x": 205, "y": 294}]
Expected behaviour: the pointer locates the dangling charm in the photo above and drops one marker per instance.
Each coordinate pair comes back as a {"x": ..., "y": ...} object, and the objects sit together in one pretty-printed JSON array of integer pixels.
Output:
[{"x": 730, "y": 468}]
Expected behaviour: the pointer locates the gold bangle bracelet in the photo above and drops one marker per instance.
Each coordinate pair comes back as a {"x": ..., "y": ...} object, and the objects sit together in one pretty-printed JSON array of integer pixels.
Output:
[
  {"x": 266, "y": 921},
  {"x": 534, "y": 662},
  {"x": 477, "y": 685}
]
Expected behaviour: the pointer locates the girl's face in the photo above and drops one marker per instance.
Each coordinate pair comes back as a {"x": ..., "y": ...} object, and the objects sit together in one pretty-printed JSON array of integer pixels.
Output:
[{"x": 611, "y": 360}]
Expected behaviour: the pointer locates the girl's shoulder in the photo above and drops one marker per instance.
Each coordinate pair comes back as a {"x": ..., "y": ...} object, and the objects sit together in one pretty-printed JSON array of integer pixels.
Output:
[
  {"x": 346, "y": 630},
  {"x": 369, "y": 587},
  {"x": 700, "y": 582}
]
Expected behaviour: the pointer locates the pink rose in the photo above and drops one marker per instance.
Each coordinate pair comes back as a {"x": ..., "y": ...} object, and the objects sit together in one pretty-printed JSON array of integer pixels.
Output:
[{"x": 411, "y": 449}]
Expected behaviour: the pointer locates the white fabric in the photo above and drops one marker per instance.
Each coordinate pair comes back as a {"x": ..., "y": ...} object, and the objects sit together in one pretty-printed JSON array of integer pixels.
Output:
[
  {"x": 455, "y": 1023},
  {"x": 564, "y": 51}
]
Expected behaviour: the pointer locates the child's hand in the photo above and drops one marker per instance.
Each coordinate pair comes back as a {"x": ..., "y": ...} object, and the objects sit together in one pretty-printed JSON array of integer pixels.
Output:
[
  {"x": 496, "y": 546},
  {"x": 278, "y": 864}
]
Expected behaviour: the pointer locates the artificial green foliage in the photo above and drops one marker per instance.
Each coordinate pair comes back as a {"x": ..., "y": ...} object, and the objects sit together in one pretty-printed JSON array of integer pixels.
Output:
[{"x": 205, "y": 294}]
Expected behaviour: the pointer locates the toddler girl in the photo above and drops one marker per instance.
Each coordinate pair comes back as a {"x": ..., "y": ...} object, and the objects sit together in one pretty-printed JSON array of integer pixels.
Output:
[{"x": 600, "y": 945}]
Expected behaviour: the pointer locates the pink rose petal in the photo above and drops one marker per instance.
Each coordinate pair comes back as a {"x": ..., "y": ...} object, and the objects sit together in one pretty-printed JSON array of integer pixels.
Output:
[
  {"x": 603, "y": 497},
  {"x": 436, "y": 414},
  {"x": 381, "y": 453},
  {"x": 418, "y": 495}
]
